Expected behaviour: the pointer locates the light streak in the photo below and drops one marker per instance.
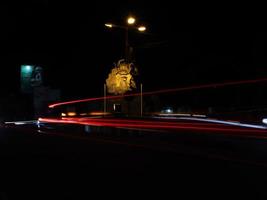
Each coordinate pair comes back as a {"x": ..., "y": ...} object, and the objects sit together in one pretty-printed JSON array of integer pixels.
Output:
[
  {"x": 173, "y": 115},
  {"x": 216, "y": 127},
  {"x": 227, "y": 123},
  {"x": 216, "y": 85},
  {"x": 22, "y": 122},
  {"x": 196, "y": 115}
]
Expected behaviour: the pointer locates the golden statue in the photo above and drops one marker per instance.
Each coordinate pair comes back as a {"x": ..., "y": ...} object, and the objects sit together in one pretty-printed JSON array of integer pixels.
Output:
[{"x": 120, "y": 79}]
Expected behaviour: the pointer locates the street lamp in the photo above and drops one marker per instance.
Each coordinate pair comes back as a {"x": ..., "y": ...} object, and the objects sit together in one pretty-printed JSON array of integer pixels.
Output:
[
  {"x": 109, "y": 25},
  {"x": 141, "y": 28},
  {"x": 126, "y": 68},
  {"x": 131, "y": 20},
  {"x": 130, "y": 25}
]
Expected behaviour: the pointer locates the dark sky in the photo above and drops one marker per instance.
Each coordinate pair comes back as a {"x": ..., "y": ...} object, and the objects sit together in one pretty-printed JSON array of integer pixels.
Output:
[{"x": 185, "y": 44}]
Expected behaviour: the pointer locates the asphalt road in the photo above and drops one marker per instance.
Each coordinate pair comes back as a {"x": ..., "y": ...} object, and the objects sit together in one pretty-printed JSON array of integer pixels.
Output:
[{"x": 73, "y": 165}]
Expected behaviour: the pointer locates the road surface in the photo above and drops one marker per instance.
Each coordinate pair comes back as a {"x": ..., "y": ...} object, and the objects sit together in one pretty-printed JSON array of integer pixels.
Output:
[{"x": 70, "y": 164}]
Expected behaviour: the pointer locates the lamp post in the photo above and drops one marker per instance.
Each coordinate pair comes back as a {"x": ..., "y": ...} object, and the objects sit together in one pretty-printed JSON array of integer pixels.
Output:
[{"x": 129, "y": 25}]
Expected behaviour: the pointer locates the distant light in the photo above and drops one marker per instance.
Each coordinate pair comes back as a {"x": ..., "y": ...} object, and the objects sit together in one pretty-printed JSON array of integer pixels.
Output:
[
  {"x": 131, "y": 20},
  {"x": 71, "y": 114},
  {"x": 142, "y": 28},
  {"x": 168, "y": 111},
  {"x": 99, "y": 113},
  {"x": 28, "y": 67},
  {"x": 63, "y": 115},
  {"x": 109, "y": 25},
  {"x": 264, "y": 120}
]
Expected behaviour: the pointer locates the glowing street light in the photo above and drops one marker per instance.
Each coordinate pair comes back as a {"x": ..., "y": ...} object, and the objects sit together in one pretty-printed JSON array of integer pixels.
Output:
[
  {"x": 141, "y": 28},
  {"x": 129, "y": 25},
  {"x": 131, "y": 20},
  {"x": 109, "y": 25}
]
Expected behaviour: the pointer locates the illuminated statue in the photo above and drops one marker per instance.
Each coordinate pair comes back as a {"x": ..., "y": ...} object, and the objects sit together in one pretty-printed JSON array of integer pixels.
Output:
[{"x": 120, "y": 79}]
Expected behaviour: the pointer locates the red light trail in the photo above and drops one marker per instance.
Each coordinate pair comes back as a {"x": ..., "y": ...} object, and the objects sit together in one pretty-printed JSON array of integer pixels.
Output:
[
  {"x": 161, "y": 125},
  {"x": 216, "y": 85}
]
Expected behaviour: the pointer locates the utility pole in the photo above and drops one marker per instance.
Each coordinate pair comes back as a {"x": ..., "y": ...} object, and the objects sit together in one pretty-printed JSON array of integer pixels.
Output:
[
  {"x": 141, "y": 100},
  {"x": 105, "y": 99}
]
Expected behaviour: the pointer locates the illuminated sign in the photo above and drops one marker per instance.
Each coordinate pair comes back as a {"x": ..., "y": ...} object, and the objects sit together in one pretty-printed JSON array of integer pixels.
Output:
[{"x": 30, "y": 77}]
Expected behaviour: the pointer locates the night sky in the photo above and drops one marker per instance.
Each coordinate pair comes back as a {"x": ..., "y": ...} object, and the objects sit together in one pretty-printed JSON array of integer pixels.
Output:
[{"x": 186, "y": 44}]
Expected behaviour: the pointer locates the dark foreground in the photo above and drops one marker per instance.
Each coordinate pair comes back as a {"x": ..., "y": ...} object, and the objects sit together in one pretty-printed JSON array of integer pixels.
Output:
[{"x": 44, "y": 165}]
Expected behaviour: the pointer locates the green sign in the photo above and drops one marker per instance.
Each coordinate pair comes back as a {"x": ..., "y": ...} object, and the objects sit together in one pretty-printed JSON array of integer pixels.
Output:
[{"x": 31, "y": 76}]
